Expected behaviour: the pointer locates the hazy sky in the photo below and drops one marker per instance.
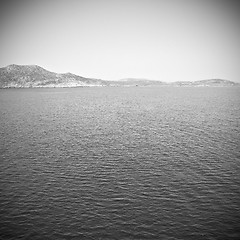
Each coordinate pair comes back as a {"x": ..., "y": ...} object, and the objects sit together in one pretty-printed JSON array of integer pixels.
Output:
[{"x": 167, "y": 40}]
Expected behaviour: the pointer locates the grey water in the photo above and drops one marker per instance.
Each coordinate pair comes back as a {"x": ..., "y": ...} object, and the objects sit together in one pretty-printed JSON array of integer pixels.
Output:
[{"x": 120, "y": 163}]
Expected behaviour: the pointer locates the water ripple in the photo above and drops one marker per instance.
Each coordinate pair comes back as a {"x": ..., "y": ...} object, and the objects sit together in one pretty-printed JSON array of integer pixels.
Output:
[{"x": 136, "y": 163}]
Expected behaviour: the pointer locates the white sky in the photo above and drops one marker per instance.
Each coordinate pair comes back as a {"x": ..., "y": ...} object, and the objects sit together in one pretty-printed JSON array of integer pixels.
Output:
[{"x": 167, "y": 40}]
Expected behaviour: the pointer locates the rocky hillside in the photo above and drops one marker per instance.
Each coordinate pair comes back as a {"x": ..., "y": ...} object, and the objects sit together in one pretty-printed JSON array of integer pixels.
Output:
[
  {"x": 27, "y": 76},
  {"x": 17, "y": 76}
]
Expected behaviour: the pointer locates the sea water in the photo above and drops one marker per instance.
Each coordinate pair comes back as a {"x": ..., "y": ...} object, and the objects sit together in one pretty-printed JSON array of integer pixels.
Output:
[{"x": 120, "y": 163}]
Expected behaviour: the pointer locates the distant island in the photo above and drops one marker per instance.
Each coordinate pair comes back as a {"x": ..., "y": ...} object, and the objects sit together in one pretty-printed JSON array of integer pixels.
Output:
[{"x": 33, "y": 76}]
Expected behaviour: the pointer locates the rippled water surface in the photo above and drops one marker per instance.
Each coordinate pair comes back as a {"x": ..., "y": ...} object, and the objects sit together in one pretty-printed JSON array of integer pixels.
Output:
[{"x": 120, "y": 163}]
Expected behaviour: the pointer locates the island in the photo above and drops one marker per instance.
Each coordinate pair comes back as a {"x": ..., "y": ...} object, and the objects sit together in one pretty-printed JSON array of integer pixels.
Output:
[{"x": 33, "y": 76}]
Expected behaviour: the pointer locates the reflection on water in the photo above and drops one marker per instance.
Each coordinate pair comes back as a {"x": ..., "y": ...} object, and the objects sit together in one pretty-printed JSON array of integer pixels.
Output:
[{"x": 120, "y": 163}]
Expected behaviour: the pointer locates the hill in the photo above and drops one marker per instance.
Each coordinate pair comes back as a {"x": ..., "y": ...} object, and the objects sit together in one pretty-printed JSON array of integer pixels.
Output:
[
  {"x": 205, "y": 83},
  {"x": 32, "y": 76},
  {"x": 26, "y": 76},
  {"x": 136, "y": 82}
]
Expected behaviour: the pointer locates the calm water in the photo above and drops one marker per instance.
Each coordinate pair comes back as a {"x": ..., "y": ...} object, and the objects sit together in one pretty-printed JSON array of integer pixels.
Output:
[{"x": 120, "y": 163}]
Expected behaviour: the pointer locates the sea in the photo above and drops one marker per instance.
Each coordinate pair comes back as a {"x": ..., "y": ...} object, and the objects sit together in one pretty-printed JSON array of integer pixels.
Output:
[{"x": 120, "y": 163}]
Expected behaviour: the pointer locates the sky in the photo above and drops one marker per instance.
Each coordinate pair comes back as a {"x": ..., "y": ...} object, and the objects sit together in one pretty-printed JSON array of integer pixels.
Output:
[{"x": 171, "y": 40}]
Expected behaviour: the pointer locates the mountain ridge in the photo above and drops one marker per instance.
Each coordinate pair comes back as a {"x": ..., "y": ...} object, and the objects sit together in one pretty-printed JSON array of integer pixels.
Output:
[{"x": 34, "y": 76}]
